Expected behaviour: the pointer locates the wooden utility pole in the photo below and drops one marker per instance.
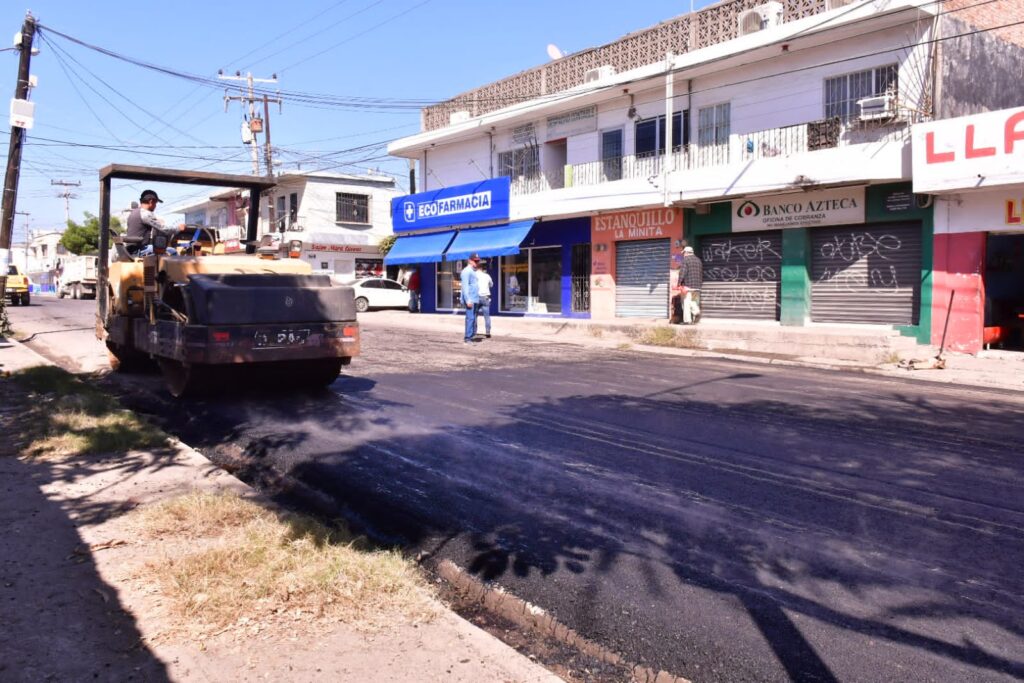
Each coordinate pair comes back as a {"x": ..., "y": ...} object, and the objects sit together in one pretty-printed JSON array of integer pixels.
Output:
[{"x": 9, "y": 203}]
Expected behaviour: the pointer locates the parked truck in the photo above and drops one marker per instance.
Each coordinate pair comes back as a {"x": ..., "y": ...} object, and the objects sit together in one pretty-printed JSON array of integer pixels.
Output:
[
  {"x": 76, "y": 277},
  {"x": 17, "y": 286},
  {"x": 204, "y": 315}
]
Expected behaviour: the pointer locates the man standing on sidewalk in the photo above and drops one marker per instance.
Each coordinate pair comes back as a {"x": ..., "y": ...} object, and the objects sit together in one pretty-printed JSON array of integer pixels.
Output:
[
  {"x": 470, "y": 296},
  {"x": 413, "y": 285},
  {"x": 691, "y": 277},
  {"x": 485, "y": 283}
]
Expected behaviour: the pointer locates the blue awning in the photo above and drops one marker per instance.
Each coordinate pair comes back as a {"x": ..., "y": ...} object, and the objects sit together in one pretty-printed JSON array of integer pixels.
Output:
[
  {"x": 500, "y": 240},
  {"x": 420, "y": 248}
]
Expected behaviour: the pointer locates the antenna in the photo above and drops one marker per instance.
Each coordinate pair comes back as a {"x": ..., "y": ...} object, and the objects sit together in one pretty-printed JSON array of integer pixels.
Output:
[{"x": 554, "y": 51}]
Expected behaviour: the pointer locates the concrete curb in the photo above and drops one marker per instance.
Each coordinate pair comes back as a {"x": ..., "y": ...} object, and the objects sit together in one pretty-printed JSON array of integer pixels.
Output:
[
  {"x": 19, "y": 349},
  {"x": 535, "y": 619}
]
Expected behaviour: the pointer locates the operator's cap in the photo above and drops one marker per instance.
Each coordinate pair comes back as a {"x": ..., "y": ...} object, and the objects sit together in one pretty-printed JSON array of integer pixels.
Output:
[
  {"x": 474, "y": 257},
  {"x": 149, "y": 194},
  {"x": 687, "y": 250}
]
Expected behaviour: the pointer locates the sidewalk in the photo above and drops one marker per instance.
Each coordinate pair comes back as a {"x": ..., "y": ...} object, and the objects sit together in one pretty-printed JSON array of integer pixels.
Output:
[
  {"x": 865, "y": 349},
  {"x": 77, "y": 603}
]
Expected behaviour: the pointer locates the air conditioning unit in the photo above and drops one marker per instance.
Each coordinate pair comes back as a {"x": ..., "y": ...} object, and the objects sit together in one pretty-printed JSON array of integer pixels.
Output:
[
  {"x": 836, "y": 4},
  {"x": 761, "y": 17},
  {"x": 878, "y": 108},
  {"x": 458, "y": 117},
  {"x": 599, "y": 74}
]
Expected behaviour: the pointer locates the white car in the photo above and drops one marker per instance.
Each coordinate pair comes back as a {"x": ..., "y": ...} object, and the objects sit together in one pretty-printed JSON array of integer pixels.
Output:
[{"x": 379, "y": 292}]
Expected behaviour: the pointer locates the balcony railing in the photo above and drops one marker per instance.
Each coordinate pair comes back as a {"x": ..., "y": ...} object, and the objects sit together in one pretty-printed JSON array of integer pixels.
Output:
[{"x": 741, "y": 148}]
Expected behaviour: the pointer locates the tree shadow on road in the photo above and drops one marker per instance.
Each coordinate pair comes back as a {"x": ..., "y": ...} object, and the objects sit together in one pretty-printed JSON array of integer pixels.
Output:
[{"x": 871, "y": 524}]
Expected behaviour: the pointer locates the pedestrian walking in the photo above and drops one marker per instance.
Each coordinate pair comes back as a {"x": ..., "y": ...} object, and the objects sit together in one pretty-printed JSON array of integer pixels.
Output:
[
  {"x": 484, "y": 285},
  {"x": 691, "y": 279},
  {"x": 470, "y": 296},
  {"x": 413, "y": 284}
]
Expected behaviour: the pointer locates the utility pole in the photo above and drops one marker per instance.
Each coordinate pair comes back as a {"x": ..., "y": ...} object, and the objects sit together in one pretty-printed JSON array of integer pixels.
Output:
[
  {"x": 9, "y": 203},
  {"x": 67, "y": 195},
  {"x": 256, "y": 126},
  {"x": 27, "y": 234}
]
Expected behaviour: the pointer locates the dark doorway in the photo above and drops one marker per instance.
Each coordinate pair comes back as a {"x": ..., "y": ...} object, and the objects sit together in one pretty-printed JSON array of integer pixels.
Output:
[{"x": 1004, "y": 291}]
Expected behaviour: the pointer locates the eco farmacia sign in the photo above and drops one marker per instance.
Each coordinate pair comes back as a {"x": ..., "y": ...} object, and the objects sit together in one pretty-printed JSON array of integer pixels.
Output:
[{"x": 458, "y": 205}]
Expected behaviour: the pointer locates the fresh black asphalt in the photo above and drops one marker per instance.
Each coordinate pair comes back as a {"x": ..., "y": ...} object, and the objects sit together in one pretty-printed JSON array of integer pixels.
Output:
[{"x": 720, "y": 520}]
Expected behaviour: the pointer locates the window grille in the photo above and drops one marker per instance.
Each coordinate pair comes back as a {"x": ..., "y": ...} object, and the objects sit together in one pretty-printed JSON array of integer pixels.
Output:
[
  {"x": 353, "y": 208},
  {"x": 843, "y": 92}
]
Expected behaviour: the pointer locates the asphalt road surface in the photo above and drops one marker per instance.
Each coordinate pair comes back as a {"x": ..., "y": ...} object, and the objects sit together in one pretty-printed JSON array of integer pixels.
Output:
[{"x": 721, "y": 520}]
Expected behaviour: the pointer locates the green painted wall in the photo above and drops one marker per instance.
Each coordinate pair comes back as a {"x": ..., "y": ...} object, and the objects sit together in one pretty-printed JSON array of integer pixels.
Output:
[{"x": 796, "y": 277}]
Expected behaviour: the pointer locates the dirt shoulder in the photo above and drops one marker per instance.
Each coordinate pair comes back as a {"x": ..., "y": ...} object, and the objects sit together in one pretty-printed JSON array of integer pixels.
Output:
[{"x": 128, "y": 556}]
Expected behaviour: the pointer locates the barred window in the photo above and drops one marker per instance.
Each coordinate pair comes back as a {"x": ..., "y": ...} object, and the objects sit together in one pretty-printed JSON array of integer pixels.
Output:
[
  {"x": 713, "y": 124},
  {"x": 843, "y": 92},
  {"x": 519, "y": 163},
  {"x": 353, "y": 208}
]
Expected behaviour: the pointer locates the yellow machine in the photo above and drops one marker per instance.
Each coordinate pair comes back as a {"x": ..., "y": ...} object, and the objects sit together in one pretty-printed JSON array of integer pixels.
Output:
[
  {"x": 17, "y": 289},
  {"x": 201, "y": 312}
]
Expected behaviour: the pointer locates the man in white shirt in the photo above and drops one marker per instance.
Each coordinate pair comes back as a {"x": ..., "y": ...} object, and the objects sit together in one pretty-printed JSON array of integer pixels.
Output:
[{"x": 484, "y": 285}]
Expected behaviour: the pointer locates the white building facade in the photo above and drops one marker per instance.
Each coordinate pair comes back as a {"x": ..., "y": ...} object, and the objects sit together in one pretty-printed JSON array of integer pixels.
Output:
[
  {"x": 340, "y": 219},
  {"x": 759, "y": 134}
]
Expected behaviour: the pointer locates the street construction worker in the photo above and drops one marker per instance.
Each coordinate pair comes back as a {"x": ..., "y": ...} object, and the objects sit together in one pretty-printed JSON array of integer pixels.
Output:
[
  {"x": 691, "y": 279},
  {"x": 142, "y": 221}
]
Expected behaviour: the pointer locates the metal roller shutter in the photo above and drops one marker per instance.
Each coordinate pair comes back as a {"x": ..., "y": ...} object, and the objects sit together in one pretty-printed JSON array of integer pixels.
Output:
[
  {"x": 866, "y": 275},
  {"x": 742, "y": 275},
  {"x": 641, "y": 278}
]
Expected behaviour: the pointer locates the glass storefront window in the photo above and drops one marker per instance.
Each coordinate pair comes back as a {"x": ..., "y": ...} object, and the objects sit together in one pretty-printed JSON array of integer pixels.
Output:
[
  {"x": 449, "y": 287},
  {"x": 515, "y": 282},
  {"x": 531, "y": 281},
  {"x": 546, "y": 280}
]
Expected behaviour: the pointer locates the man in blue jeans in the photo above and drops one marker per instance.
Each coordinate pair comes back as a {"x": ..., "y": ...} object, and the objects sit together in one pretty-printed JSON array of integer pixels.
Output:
[{"x": 470, "y": 296}]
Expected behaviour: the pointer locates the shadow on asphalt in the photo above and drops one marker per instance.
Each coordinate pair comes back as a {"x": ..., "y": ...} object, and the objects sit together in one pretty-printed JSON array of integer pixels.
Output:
[
  {"x": 760, "y": 523},
  {"x": 882, "y": 524}
]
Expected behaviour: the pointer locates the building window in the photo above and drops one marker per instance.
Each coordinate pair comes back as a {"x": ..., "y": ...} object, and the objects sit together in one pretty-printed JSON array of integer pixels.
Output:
[
  {"x": 713, "y": 125},
  {"x": 611, "y": 154},
  {"x": 520, "y": 163},
  {"x": 650, "y": 134},
  {"x": 293, "y": 208},
  {"x": 843, "y": 92},
  {"x": 353, "y": 208}
]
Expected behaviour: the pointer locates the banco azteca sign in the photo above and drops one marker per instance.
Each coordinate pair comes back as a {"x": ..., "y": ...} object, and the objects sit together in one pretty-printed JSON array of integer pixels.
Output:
[{"x": 799, "y": 210}]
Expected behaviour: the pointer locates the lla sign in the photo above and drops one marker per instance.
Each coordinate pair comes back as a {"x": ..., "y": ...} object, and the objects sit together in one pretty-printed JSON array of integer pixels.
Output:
[
  {"x": 969, "y": 152},
  {"x": 486, "y": 200}
]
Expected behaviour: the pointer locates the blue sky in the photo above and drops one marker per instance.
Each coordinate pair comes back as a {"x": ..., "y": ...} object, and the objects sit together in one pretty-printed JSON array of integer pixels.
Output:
[{"x": 393, "y": 49}]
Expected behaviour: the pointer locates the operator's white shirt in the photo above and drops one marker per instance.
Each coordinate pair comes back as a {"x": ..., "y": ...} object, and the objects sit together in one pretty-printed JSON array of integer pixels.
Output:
[{"x": 484, "y": 282}]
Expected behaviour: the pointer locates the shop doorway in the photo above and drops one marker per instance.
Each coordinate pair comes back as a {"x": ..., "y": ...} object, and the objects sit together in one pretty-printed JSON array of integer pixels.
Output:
[
  {"x": 642, "y": 278},
  {"x": 1004, "y": 291},
  {"x": 867, "y": 275},
  {"x": 581, "y": 278},
  {"x": 531, "y": 281}
]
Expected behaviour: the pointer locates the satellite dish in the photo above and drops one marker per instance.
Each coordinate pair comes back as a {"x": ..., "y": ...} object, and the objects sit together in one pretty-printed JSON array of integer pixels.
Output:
[{"x": 554, "y": 52}]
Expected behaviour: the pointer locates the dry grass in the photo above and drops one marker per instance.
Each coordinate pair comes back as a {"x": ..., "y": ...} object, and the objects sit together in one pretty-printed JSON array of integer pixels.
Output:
[
  {"x": 227, "y": 561},
  {"x": 67, "y": 418},
  {"x": 659, "y": 336}
]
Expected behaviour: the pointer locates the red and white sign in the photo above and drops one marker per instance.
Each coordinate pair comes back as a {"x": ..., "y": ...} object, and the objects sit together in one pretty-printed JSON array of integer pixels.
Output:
[{"x": 969, "y": 152}]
